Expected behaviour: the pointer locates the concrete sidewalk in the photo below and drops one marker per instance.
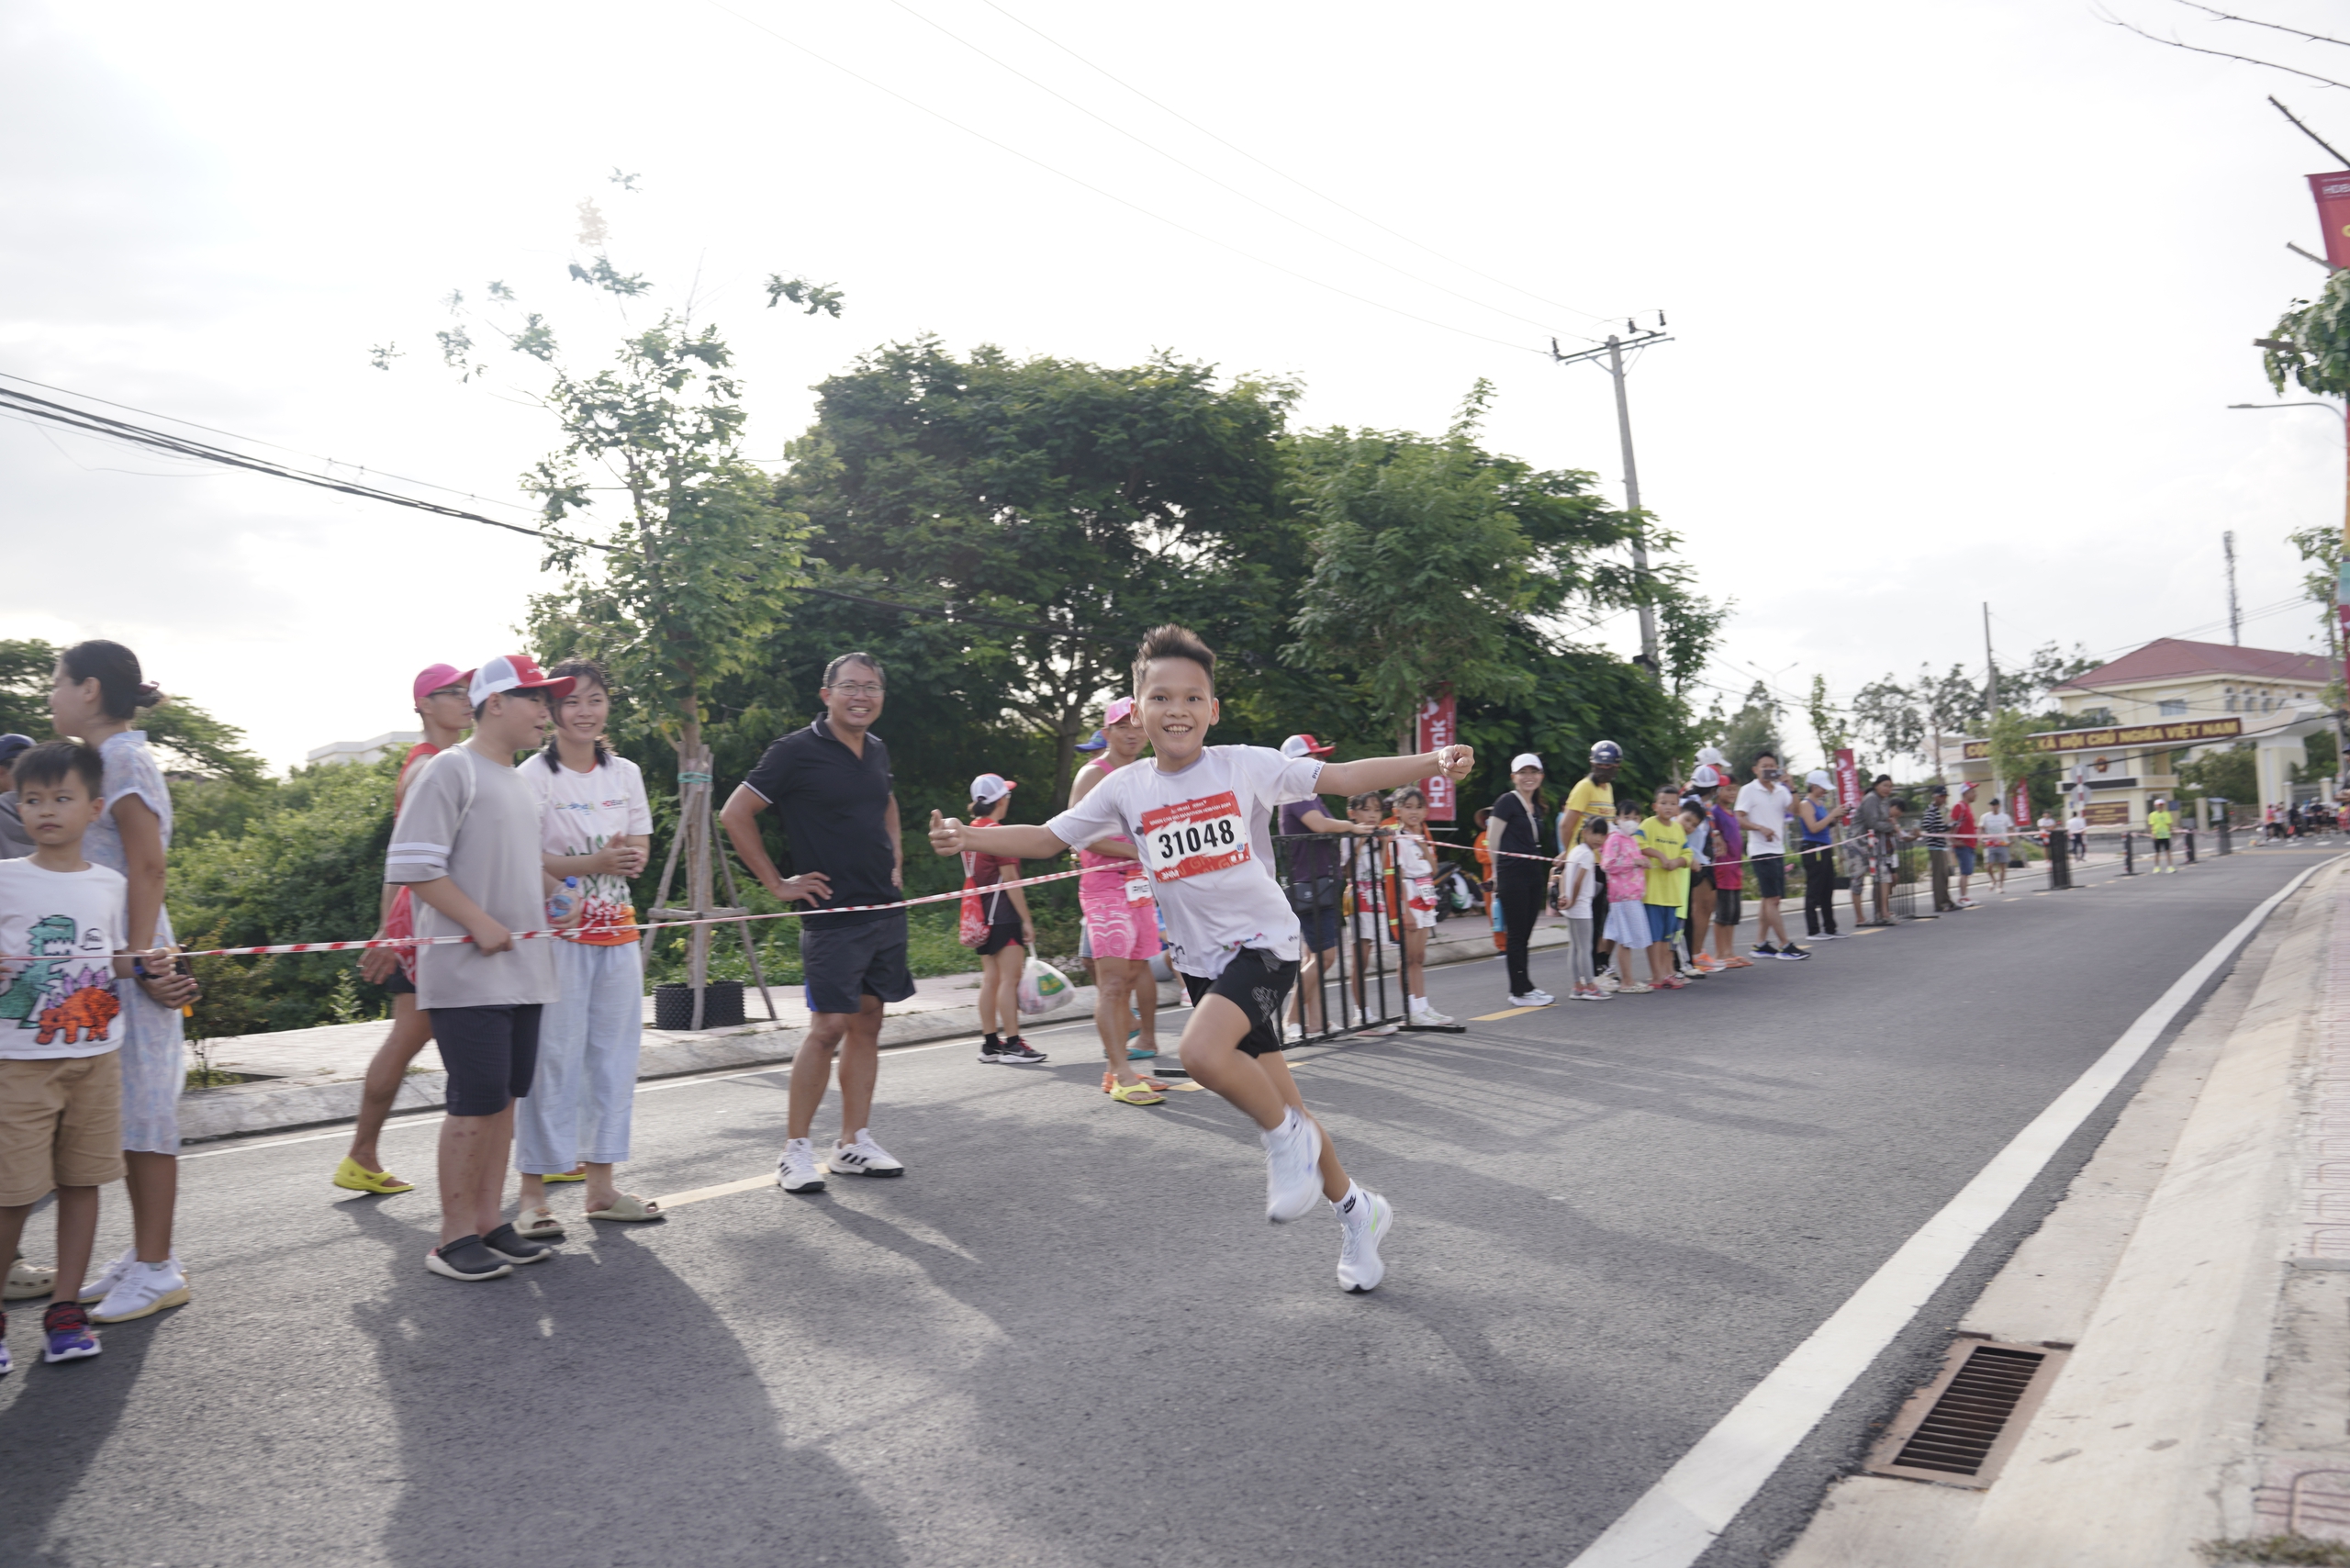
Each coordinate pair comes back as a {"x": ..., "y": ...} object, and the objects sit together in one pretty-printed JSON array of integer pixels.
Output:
[
  {"x": 2197, "y": 1273},
  {"x": 312, "y": 1076}
]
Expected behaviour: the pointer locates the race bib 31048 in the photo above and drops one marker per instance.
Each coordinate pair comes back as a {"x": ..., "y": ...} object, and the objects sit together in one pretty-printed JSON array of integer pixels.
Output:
[{"x": 1193, "y": 837}]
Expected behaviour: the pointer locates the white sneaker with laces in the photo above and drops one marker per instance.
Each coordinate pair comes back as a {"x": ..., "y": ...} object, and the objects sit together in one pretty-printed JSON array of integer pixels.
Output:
[
  {"x": 98, "y": 1288},
  {"x": 1541, "y": 998},
  {"x": 1531, "y": 999},
  {"x": 796, "y": 1172},
  {"x": 1293, "y": 1180},
  {"x": 864, "y": 1157},
  {"x": 145, "y": 1288},
  {"x": 1359, "y": 1268},
  {"x": 1426, "y": 1013}
]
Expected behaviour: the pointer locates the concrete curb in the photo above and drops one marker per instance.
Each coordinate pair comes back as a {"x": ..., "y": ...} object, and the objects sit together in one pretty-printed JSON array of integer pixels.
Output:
[
  {"x": 243, "y": 1109},
  {"x": 2166, "y": 1291}
]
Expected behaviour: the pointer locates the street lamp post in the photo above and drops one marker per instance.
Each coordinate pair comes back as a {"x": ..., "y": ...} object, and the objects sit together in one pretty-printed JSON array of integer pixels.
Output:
[{"x": 2337, "y": 629}]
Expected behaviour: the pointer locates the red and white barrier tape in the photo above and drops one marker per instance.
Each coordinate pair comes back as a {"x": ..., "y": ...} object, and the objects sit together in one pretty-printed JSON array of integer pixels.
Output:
[{"x": 639, "y": 926}]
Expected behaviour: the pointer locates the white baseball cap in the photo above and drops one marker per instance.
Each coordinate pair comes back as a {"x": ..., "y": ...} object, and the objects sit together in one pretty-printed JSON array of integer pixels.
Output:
[
  {"x": 1304, "y": 745},
  {"x": 516, "y": 672},
  {"x": 989, "y": 788},
  {"x": 1820, "y": 777},
  {"x": 1705, "y": 778},
  {"x": 1712, "y": 753},
  {"x": 1526, "y": 759}
]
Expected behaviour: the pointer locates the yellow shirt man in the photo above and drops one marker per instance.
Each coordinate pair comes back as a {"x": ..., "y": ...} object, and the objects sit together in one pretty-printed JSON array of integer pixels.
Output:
[{"x": 2158, "y": 822}]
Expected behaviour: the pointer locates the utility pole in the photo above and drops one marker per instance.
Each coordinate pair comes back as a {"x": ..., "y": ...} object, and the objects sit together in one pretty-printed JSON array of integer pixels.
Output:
[
  {"x": 1990, "y": 697},
  {"x": 1613, "y": 349},
  {"x": 2235, "y": 616}
]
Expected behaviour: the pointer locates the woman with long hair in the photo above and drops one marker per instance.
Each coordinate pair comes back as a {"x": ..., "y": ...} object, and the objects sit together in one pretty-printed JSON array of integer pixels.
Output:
[
  {"x": 594, "y": 825},
  {"x": 95, "y": 696}
]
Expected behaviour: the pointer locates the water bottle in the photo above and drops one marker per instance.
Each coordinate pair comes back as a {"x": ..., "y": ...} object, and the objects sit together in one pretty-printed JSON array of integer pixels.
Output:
[{"x": 565, "y": 899}]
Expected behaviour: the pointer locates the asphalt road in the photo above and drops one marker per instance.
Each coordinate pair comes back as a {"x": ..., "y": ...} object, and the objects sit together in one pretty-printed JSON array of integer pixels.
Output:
[{"x": 1067, "y": 1336}]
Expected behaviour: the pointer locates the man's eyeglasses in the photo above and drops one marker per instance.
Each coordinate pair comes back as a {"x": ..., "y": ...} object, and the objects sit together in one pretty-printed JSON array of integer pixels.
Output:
[{"x": 859, "y": 689}]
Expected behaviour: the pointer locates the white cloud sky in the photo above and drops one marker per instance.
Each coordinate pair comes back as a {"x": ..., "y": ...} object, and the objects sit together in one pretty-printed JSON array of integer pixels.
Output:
[{"x": 1959, "y": 293}]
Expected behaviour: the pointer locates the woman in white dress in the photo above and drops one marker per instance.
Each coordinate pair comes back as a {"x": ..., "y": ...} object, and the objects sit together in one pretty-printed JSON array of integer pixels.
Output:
[{"x": 94, "y": 696}]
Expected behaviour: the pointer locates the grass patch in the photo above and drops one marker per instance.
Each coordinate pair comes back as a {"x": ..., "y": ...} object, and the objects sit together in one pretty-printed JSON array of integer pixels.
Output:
[
  {"x": 203, "y": 1077},
  {"x": 2278, "y": 1548}
]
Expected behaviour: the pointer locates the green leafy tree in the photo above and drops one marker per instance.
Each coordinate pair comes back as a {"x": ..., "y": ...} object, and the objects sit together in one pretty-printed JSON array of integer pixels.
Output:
[
  {"x": 1828, "y": 727},
  {"x": 1887, "y": 715},
  {"x": 2229, "y": 773},
  {"x": 1751, "y": 731},
  {"x": 2310, "y": 346}
]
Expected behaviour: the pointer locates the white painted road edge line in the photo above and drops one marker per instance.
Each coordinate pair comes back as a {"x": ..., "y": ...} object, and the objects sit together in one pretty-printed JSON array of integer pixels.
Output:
[{"x": 1676, "y": 1520}]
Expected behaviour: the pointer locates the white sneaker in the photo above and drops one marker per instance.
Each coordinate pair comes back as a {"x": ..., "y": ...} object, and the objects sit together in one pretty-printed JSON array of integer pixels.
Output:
[
  {"x": 1369, "y": 1030},
  {"x": 1541, "y": 998},
  {"x": 864, "y": 1157},
  {"x": 796, "y": 1172},
  {"x": 99, "y": 1288},
  {"x": 1532, "y": 999},
  {"x": 1428, "y": 1014},
  {"x": 1293, "y": 1174},
  {"x": 1359, "y": 1268},
  {"x": 145, "y": 1288}
]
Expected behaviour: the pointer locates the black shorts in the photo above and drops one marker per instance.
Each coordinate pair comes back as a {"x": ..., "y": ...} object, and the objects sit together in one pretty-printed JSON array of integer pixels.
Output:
[
  {"x": 840, "y": 965},
  {"x": 999, "y": 937},
  {"x": 2162, "y": 843},
  {"x": 1257, "y": 983},
  {"x": 1725, "y": 902},
  {"x": 1770, "y": 877},
  {"x": 490, "y": 1053},
  {"x": 399, "y": 984},
  {"x": 1702, "y": 877}
]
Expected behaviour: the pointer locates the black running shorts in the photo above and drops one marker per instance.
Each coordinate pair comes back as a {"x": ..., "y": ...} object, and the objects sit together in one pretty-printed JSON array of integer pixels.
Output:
[
  {"x": 491, "y": 1055},
  {"x": 1769, "y": 876},
  {"x": 1257, "y": 983},
  {"x": 1726, "y": 905}
]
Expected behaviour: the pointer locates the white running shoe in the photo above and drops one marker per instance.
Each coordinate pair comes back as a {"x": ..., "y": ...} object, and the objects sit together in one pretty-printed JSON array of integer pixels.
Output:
[
  {"x": 1359, "y": 1268},
  {"x": 864, "y": 1157},
  {"x": 1293, "y": 1177},
  {"x": 116, "y": 1272},
  {"x": 796, "y": 1172},
  {"x": 145, "y": 1288},
  {"x": 1532, "y": 999},
  {"x": 1428, "y": 1014},
  {"x": 1370, "y": 1030},
  {"x": 1542, "y": 997}
]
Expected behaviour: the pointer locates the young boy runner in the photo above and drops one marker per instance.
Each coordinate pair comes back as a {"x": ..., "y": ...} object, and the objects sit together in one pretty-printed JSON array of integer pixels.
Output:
[
  {"x": 466, "y": 845},
  {"x": 61, "y": 1077},
  {"x": 1200, "y": 814},
  {"x": 442, "y": 706}
]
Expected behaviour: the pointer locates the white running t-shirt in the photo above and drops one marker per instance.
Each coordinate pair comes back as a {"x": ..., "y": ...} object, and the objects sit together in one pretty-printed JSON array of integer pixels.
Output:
[
  {"x": 1766, "y": 807},
  {"x": 1586, "y": 902},
  {"x": 1204, "y": 833}
]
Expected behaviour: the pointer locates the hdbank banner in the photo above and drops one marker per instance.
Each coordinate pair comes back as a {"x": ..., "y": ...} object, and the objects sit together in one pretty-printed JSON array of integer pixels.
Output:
[
  {"x": 2191, "y": 731},
  {"x": 2333, "y": 194},
  {"x": 1440, "y": 728}
]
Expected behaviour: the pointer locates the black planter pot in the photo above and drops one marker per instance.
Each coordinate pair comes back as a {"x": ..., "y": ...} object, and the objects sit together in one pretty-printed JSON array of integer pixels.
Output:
[{"x": 722, "y": 1008}]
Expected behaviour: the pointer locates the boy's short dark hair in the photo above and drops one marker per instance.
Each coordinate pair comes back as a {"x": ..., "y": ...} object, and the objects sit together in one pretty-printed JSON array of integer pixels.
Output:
[
  {"x": 50, "y": 763},
  {"x": 1173, "y": 642},
  {"x": 536, "y": 695}
]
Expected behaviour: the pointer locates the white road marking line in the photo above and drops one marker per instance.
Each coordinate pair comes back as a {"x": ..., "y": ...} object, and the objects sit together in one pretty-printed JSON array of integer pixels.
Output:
[{"x": 1694, "y": 1502}]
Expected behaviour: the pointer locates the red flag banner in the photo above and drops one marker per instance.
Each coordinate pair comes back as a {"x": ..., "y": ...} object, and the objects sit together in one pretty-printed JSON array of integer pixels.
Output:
[
  {"x": 1439, "y": 728},
  {"x": 1848, "y": 781},
  {"x": 2333, "y": 194}
]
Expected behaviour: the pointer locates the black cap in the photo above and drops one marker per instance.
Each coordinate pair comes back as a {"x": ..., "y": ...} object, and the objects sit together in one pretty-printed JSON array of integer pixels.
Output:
[{"x": 12, "y": 746}]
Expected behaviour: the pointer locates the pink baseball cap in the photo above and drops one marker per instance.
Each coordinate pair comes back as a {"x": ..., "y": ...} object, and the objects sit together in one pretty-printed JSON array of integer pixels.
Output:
[
  {"x": 432, "y": 677},
  {"x": 1120, "y": 710}
]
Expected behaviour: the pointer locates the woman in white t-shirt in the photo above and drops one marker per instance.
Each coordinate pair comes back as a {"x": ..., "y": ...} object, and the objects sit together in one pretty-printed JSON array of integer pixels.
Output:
[{"x": 595, "y": 824}]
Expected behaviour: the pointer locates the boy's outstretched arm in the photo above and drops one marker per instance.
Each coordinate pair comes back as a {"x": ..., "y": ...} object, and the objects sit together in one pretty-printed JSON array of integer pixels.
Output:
[
  {"x": 1389, "y": 772},
  {"x": 1021, "y": 841}
]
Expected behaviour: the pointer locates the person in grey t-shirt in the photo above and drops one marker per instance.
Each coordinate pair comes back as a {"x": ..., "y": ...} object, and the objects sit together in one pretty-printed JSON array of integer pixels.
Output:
[
  {"x": 15, "y": 842},
  {"x": 467, "y": 845}
]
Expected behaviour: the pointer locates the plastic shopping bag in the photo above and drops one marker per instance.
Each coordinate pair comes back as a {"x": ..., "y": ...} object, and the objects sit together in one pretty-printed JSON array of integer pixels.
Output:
[{"x": 1041, "y": 988}]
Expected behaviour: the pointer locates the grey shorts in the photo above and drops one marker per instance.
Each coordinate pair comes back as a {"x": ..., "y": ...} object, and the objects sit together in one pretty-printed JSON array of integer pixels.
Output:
[{"x": 842, "y": 965}]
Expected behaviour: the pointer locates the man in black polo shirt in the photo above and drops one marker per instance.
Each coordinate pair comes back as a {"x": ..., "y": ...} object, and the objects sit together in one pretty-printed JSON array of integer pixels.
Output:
[{"x": 830, "y": 783}]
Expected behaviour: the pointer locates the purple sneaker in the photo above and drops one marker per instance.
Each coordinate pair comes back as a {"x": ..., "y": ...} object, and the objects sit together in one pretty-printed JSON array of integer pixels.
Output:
[{"x": 67, "y": 1324}]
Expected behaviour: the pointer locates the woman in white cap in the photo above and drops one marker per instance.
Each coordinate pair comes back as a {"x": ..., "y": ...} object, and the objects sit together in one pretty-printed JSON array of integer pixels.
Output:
[
  {"x": 1003, "y": 951},
  {"x": 1519, "y": 876}
]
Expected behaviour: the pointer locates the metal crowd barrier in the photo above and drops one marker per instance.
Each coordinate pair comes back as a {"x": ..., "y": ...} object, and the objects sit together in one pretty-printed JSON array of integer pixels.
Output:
[{"x": 1321, "y": 874}]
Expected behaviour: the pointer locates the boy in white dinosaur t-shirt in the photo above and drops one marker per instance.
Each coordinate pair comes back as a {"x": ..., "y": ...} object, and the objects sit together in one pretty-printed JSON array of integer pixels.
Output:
[{"x": 1199, "y": 815}]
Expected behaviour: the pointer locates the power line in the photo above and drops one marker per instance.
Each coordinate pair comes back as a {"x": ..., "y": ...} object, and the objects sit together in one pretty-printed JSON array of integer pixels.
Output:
[
  {"x": 250, "y": 441},
  {"x": 1111, "y": 195},
  {"x": 1283, "y": 174},
  {"x": 1193, "y": 169}
]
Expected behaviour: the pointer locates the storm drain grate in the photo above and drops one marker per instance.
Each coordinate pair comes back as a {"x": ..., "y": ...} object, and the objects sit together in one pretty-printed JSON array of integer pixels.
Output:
[{"x": 1959, "y": 1428}]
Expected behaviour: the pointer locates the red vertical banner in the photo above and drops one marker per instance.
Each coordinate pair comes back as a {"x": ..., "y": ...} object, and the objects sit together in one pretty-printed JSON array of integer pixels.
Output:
[
  {"x": 2020, "y": 804},
  {"x": 1438, "y": 728},
  {"x": 1848, "y": 781},
  {"x": 2333, "y": 194}
]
